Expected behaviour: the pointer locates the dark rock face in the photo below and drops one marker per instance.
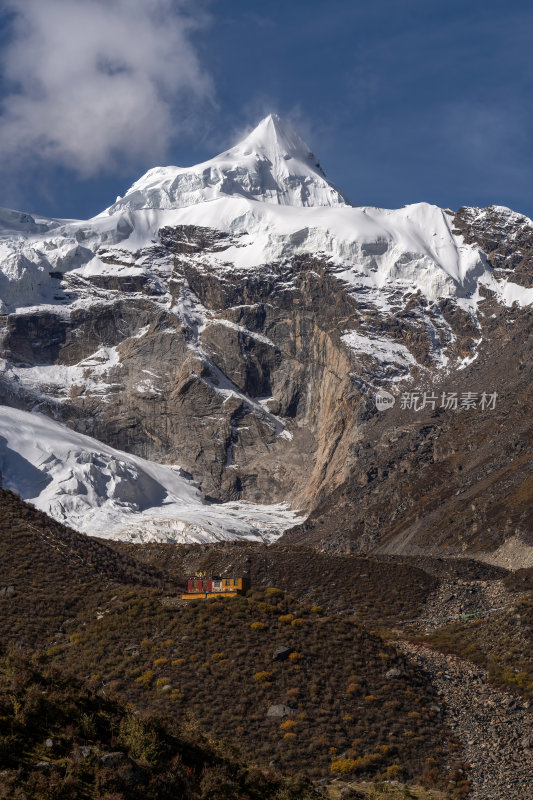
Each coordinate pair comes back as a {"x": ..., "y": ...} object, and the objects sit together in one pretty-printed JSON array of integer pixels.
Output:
[
  {"x": 34, "y": 338},
  {"x": 247, "y": 380},
  {"x": 505, "y": 237}
]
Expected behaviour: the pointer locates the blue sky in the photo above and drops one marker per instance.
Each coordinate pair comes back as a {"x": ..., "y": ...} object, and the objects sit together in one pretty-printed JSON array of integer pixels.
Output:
[{"x": 402, "y": 100}]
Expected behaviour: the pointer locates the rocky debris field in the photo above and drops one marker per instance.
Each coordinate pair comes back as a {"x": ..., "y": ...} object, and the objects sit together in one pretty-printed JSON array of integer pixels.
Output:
[
  {"x": 494, "y": 728},
  {"x": 459, "y": 598}
]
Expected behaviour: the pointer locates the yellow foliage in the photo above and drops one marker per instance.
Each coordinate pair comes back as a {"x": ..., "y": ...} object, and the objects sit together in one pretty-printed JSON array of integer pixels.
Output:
[
  {"x": 353, "y": 687},
  {"x": 394, "y": 771},
  {"x": 76, "y": 638},
  {"x": 298, "y": 623},
  {"x": 288, "y": 725},
  {"x": 317, "y": 610},
  {"x": 146, "y": 678},
  {"x": 295, "y": 656},
  {"x": 257, "y": 626},
  {"x": 178, "y": 662},
  {"x": 52, "y": 652},
  {"x": 344, "y": 766},
  {"x": 273, "y": 592},
  {"x": 160, "y": 661},
  {"x": 218, "y": 656},
  {"x": 290, "y": 736},
  {"x": 285, "y": 618},
  {"x": 262, "y": 677}
]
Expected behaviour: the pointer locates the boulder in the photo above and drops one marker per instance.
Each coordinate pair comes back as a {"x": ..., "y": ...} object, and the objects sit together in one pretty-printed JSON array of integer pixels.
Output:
[
  {"x": 81, "y": 753},
  {"x": 282, "y": 652},
  {"x": 279, "y": 710},
  {"x": 117, "y": 759},
  {"x": 394, "y": 672}
]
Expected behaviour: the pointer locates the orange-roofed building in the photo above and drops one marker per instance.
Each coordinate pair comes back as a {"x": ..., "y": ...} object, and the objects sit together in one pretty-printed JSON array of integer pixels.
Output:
[{"x": 202, "y": 587}]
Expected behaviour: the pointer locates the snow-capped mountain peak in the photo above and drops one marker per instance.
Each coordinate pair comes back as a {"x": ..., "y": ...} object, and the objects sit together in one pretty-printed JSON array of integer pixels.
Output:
[
  {"x": 205, "y": 317},
  {"x": 272, "y": 165},
  {"x": 276, "y": 140}
]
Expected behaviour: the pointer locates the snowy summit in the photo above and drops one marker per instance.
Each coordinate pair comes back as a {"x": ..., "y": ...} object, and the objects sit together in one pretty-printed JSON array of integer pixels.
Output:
[{"x": 271, "y": 165}]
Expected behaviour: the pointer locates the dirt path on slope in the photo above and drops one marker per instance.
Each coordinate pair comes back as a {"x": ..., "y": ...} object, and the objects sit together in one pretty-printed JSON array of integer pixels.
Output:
[{"x": 495, "y": 728}]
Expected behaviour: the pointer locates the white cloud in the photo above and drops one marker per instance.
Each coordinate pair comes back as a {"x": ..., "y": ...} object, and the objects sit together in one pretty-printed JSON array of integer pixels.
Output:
[{"x": 97, "y": 84}]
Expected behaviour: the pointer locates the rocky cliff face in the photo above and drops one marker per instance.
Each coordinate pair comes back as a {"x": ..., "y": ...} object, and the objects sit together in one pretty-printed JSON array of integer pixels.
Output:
[{"x": 246, "y": 342}]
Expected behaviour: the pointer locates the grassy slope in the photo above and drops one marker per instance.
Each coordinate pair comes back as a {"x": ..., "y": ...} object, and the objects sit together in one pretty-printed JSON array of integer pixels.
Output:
[
  {"x": 56, "y": 573},
  {"x": 214, "y": 662},
  {"x": 100, "y": 616},
  {"x": 57, "y": 737},
  {"x": 377, "y": 592}
]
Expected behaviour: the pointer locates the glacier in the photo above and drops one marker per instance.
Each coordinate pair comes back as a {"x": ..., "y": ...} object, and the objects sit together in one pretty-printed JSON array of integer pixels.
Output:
[{"x": 99, "y": 490}]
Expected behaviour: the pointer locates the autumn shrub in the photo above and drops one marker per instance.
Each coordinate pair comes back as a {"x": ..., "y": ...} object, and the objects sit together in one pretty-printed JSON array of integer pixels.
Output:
[
  {"x": 394, "y": 771},
  {"x": 220, "y": 656},
  {"x": 288, "y": 725},
  {"x": 146, "y": 678},
  {"x": 261, "y": 677}
]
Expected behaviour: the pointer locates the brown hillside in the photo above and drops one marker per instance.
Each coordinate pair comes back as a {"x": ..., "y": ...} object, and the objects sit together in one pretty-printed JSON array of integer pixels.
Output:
[{"x": 50, "y": 573}]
